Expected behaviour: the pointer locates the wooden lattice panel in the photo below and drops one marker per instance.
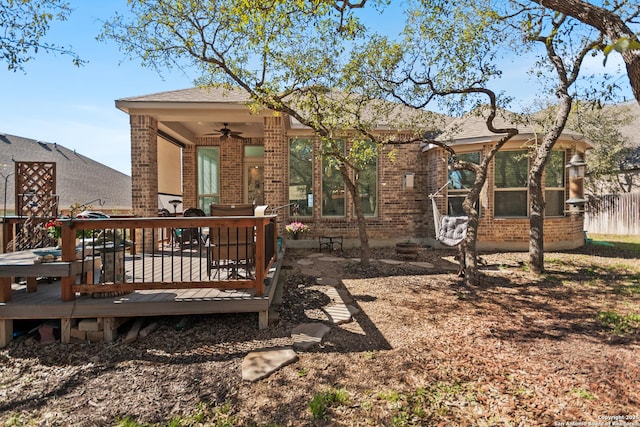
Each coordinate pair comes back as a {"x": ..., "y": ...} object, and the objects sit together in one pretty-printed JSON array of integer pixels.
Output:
[
  {"x": 36, "y": 202},
  {"x": 35, "y": 183}
]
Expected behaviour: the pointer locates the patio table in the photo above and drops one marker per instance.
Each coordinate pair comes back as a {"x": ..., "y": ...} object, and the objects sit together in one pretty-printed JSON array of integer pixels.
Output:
[{"x": 24, "y": 264}]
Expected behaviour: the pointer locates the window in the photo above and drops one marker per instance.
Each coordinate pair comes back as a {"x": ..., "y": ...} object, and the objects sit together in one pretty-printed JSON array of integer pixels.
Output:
[
  {"x": 554, "y": 184},
  {"x": 510, "y": 184},
  {"x": 460, "y": 181},
  {"x": 208, "y": 177},
  {"x": 369, "y": 184},
  {"x": 301, "y": 175},
  {"x": 333, "y": 189}
]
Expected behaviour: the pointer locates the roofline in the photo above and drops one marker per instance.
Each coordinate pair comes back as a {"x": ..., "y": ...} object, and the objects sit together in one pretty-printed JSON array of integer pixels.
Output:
[
  {"x": 519, "y": 137},
  {"x": 127, "y": 106}
]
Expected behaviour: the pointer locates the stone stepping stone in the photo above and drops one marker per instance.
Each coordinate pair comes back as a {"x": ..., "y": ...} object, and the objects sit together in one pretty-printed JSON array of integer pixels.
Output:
[
  {"x": 305, "y": 261},
  {"x": 421, "y": 264},
  {"x": 391, "y": 261},
  {"x": 327, "y": 281},
  {"x": 316, "y": 315},
  {"x": 262, "y": 363},
  {"x": 332, "y": 259},
  {"x": 338, "y": 313},
  {"x": 307, "y": 335},
  {"x": 316, "y": 255},
  {"x": 310, "y": 272},
  {"x": 333, "y": 294}
]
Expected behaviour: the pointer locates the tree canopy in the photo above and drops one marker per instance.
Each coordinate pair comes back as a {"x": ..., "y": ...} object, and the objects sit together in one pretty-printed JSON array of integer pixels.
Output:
[
  {"x": 319, "y": 63},
  {"x": 289, "y": 56},
  {"x": 24, "y": 25}
]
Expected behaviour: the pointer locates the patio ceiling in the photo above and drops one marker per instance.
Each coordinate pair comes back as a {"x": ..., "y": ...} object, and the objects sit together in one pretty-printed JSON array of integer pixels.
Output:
[
  {"x": 190, "y": 113},
  {"x": 185, "y": 123}
]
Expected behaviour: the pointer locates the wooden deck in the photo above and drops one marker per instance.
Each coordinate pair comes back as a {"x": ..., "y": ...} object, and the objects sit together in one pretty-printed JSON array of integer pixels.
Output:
[{"x": 46, "y": 303}]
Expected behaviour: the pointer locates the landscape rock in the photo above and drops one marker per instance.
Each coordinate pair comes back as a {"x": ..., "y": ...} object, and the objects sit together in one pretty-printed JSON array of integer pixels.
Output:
[
  {"x": 307, "y": 335},
  {"x": 262, "y": 363}
]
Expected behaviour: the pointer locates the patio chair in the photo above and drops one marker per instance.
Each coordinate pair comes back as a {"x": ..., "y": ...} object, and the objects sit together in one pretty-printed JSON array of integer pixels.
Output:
[
  {"x": 189, "y": 237},
  {"x": 231, "y": 248}
]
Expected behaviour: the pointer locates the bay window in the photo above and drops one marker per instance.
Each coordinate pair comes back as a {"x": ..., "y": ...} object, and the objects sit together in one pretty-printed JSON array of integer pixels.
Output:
[
  {"x": 460, "y": 182},
  {"x": 554, "y": 193},
  {"x": 511, "y": 192}
]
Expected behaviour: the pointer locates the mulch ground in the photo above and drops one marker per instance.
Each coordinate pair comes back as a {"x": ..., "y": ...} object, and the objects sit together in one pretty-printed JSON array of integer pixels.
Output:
[{"x": 518, "y": 349}]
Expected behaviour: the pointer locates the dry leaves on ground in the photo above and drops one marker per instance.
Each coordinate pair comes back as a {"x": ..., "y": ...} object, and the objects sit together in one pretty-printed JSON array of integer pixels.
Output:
[{"x": 424, "y": 349}]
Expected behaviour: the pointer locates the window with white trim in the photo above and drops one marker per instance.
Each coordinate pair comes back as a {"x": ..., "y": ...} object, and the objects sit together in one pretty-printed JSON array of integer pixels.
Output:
[
  {"x": 301, "y": 176},
  {"x": 208, "y": 177},
  {"x": 369, "y": 184},
  {"x": 333, "y": 187},
  {"x": 511, "y": 192},
  {"x": 554, "y": 178},
  {"x": 460, "y": 182}
]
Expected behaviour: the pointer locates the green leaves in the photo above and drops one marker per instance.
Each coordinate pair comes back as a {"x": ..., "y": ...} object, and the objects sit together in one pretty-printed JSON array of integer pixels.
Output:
[
  {"x": 23, "y": 26},
  {"x": 623, "y": 44}
]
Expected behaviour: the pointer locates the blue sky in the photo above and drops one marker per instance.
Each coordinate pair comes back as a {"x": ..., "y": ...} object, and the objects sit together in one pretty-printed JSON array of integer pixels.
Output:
[{"x": 53, "y": 101}]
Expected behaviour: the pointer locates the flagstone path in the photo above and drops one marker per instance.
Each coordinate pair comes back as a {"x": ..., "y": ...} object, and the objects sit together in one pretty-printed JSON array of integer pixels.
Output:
[{"x": 261, "y": 363}]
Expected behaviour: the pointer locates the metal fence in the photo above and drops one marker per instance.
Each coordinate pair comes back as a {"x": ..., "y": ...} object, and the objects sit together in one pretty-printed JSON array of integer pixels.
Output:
[{"x": 613, "y": 214}]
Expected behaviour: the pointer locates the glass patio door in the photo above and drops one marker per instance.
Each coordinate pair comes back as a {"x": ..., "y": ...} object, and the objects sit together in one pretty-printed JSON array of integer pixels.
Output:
[{"x": 254, "y": 183}]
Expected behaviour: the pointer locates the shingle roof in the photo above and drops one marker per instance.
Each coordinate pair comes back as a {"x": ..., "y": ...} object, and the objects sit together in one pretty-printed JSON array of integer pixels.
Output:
[
  {"x": 79, "y": 179},
  {"x": 473, "y": 125},
  {"x": 195, "y": 94}
]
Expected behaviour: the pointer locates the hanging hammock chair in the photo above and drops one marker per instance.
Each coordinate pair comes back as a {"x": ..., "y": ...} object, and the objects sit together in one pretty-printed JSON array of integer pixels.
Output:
[{"x": 450, "y": 230}]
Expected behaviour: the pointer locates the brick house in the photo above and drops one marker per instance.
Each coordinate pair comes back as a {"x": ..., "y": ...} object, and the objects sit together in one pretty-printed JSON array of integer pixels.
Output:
[{"x": 205, "y": 146}]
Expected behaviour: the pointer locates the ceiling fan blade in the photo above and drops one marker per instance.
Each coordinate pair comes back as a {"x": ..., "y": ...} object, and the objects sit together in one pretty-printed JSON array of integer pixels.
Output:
[{"x": 225, "y": 132}]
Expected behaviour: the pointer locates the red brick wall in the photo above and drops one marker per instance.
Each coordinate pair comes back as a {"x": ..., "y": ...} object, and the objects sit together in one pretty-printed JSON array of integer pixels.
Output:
[
  {"x": 276, "y": 165},
  {"x": 402, "y": 213},
  {"x": 502, "y": 233}
]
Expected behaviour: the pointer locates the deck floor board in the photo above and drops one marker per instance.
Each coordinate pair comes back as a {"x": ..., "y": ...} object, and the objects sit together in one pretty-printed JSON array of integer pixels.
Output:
[{"x": 46, "y": 302}]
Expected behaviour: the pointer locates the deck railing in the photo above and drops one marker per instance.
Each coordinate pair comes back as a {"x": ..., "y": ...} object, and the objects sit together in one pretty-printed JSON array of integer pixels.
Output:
[{"x": 128, "y": 254}]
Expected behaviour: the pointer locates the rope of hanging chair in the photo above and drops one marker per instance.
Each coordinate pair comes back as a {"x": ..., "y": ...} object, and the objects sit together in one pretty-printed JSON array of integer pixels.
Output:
[{"x": 450, "y": 230}]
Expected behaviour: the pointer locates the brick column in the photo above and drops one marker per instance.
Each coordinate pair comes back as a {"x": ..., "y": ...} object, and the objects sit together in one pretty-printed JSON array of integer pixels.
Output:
[
  {"x": 276, "y": 165},
  {"x": 190, "y": 178},
  {"x": 144, "y": 170}
]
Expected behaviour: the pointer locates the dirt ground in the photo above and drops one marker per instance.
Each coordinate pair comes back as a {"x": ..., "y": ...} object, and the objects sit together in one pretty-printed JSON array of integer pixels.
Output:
[{"x": 518, "y": 350}]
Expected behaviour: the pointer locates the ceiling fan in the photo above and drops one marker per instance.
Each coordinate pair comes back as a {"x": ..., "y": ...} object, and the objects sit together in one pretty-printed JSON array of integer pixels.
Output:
[{"x": 225, "y": 132}]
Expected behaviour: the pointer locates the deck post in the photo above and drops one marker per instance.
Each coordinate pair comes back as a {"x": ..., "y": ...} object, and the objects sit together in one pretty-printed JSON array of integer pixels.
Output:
[
  {"x": 263, "y": 319},
  {"x": 260, "y": 259},
  {"x": 6, "y": 332},
  {"x": 5, "y": 289},
  {"x": 68, "y": 255},
  {"x": 32, "y": 284},
  {"x": 110, "y": 329},
  {"x": 65, "y": 330}
]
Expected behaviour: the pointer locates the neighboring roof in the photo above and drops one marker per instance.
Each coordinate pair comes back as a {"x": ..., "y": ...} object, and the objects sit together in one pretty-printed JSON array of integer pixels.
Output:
[{"x": 79, "y": 179}]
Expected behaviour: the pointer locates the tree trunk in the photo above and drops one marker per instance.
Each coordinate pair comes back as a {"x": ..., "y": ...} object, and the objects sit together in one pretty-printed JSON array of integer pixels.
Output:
[
  {"x": 352, "y": 187},
  {"x": 469, "y": 260},
  {"x": 536, "y": 214},
  {"x": 536, "y": 221},
  {"x": 470, "y": 252}
]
